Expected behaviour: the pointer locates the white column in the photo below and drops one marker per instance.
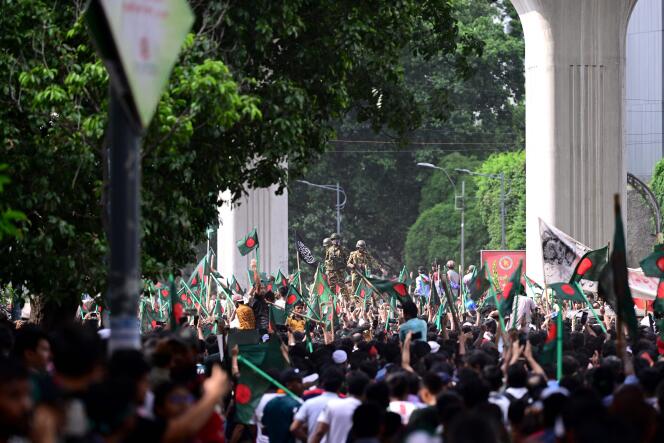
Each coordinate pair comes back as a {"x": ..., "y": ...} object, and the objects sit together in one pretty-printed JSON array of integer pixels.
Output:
[
  {"x": 266, "y": 211},
  {"x": 575, "y": 72}
]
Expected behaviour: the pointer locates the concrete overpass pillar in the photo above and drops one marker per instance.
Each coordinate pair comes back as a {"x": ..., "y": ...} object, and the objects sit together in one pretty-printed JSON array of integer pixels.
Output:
[
  {"x": 262, "y": 209},
  {"x": 575, "y": 83}
]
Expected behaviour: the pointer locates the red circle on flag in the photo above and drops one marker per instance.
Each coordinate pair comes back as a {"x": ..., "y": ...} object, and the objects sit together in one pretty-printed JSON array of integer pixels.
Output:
[
  {"x": 660, "y": 289},
  {"x": 177, "y": 312},
  {"x": 183, "y": 297},
  {"x": 164, "y": 293},
  {"x": 320, "y": 289},
  {"x": 567, "y": 289},
  {"x": 194, "y": 281},
  {"x": 250, "y": 243},
  {"x": 660, "y": 264},
  {"x": 154, "y": 324},
  {"x": 400, "y": 288},
  {"x": 242, "y": 394},
  {"x": 507, "y": 289},
  {"x": 188, "y": 301},
  {"x": 584, "y": 266},
  {"x": 292, "y": 299}
]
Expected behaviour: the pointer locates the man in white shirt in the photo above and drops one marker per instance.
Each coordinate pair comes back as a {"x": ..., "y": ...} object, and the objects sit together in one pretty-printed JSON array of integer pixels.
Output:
[
  {"x": 336, "y": 419},
  {"x": 304, "y": 424},
  {"x": 453, "y": 279},
  {"x": 524, "y": 306},
  {"x": 258, "y": 416},
  {"x": 422, "y": 283}
]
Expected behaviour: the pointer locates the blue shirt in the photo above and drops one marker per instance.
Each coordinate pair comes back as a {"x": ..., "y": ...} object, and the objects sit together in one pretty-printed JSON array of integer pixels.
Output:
[{"x": 415, "y": 325}]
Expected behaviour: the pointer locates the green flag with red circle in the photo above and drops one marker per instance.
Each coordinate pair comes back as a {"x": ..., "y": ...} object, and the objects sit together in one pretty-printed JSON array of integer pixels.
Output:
[
  {"x": 568, "y": 291},
  {"x": 653, "y": 265},
  {"x": 479, "y": 284},
  {"x": 591, "y": 264},
  {"x": 248, "y": 243},
  {"x": 548, "y": 353},
  {"x": 251, "y": 386},
  {"x": 393, "y": 288},
  {"x": 511, "y": 289},
  {"x": 293, "y": 297}
]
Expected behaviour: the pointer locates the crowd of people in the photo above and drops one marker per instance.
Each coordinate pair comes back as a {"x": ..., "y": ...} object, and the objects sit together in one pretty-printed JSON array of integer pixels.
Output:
[{"x": 379, "y": 374}]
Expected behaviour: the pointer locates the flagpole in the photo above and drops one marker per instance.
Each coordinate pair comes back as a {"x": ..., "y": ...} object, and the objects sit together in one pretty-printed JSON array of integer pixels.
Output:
[
  {"x": 260, "y": 372},
  {"x": 559, "y": 343},
  {"x": 223, "y": 291},
  {"x": 195, "y": 298},
  {"x": 299, "y": 273},
  {"x": 590, "y": 306}
]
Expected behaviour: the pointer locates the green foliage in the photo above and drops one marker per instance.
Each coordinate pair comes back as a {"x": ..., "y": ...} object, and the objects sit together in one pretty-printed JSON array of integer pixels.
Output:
[
  {"x": 657, "y": 182},
  {"x": 9, "y": 218},
  {"x": 53, "y": 116},
  {"x": 436, "y": 234},
  {"x": 513, "y": 166}
]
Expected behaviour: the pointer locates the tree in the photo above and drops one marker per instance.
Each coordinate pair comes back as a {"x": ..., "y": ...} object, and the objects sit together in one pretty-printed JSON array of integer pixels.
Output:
[
  {"x": 513, "y": 166},
  {"x": 436, "y": 234},
  {"x": 471, "y": 102},
  {"x": 9, "y": 218},
  {"x": 257, "y": 83}
]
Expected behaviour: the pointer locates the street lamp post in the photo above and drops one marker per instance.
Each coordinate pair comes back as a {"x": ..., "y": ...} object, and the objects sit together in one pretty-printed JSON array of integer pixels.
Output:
[
  {"x": 340, "y": 204},
  {"x": 501, "y": 177},
  {"x": 462, "y": 208}
]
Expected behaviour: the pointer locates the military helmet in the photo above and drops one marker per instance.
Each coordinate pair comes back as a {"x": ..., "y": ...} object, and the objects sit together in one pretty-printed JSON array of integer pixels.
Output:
[
  {"x": 361, "y": 244},
  {"x": 335, "y": 236},
  {"x": 326, "y": 241}
]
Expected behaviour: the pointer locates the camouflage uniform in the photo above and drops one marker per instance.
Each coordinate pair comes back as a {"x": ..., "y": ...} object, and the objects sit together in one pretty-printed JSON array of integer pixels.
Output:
[
  {"x": 362, "y": 262},
  {"x": 335, "y": 265}
]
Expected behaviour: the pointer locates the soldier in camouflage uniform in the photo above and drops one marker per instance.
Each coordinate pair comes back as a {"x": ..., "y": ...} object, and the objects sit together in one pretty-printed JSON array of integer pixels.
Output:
[
  {"x": 360, "y": 261},
  {"x": 335, "y": 264}
]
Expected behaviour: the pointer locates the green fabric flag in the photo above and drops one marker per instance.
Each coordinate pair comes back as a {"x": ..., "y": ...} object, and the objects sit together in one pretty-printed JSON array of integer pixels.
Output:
[
  {"x": 591, "y": 264},
  {"x": 196, "y": 285},
  {"x": 658, "y": 306},
  {"x": 235, "y": 286},
  {"x": 511, "y": 289},
  {"x": 568, "y": 291},
  {"x": 293, "y": 297},
  {"x": 404, "y": 276},
  {"x": 392, "y": 288},
  {"x": 249, "y": 243},
  {"x": 653, "y": 265},
  {"x": 479, "y": 284},
  {"x": 548, "y": 353},
  {"x": 322, "y": 290},
  {"x": 280, "y": 280},
  {"x": 251, "y": 386},
  {"x": 363, "y": 291},
  {"x": 177, "y": 311},
  {"x": 613, "y": 286},
  {"x": 277, "y": 315}
]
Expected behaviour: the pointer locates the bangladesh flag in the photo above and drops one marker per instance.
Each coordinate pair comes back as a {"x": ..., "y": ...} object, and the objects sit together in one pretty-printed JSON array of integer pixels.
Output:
[
  {"x": 177, "y": 311},
  {"x": 613, "y": 285},
  {"x": 479, "y": 284},
  {"x": 196, "y": 280},
  {"x": 404, "y": 276},
  {"x": 653, "y": 265},
  {"x": 568, "y": 291},
  {"x": 658, "y": 306},
  {"x": 277, "y": 316},
  {"x": 249, "y": 243},
  {"x": 251, "y": 386},
  {"x": 393, "y": 288},
  {"x": 363, "y": 291},
  {"x": 548, "y": 354},
  {"x": 322, "y": 291},
  {"x": 511, "y": 289},
  {"x": 293, "y": 297},
  {"x": 280, "y": 280},
  {"x": 591, "y": 264},
  {"x": 235, "y": 287},
  {"x": 162, "y": 290}
]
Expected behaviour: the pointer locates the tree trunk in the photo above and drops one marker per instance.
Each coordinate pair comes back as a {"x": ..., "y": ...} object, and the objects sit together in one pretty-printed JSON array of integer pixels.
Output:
[{"x": 50, "y": 314}]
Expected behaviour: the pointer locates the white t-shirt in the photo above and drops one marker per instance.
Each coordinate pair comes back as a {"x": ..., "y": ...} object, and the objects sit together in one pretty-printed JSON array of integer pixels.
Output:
[
  {"x": 403, "y": 408},
  {"x": 311, "y": 409},
  {"x": 525, "y": 307},
  {"x": 258, "y": 416},
  {"x": 338, "y": 414}
]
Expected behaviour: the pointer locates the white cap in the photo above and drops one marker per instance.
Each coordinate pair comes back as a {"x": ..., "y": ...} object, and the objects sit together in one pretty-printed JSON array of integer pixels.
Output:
[
  {"x": 434, "y": 346},
  {"x": 339, "y": 356}
]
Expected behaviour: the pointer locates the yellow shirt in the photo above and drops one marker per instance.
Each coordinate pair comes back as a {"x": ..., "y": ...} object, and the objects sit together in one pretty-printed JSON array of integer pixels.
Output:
[
  {"x": 245, "y": 316},
  {"x": 295, "y": 325}
]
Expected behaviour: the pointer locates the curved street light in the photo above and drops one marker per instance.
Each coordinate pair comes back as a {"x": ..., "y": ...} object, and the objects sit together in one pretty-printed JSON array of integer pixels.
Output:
[{"x": 340, "y": 204}]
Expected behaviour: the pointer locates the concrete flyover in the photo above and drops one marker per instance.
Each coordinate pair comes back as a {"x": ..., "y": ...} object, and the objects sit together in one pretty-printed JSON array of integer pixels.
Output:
[{"x": 575, "y": 86}]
